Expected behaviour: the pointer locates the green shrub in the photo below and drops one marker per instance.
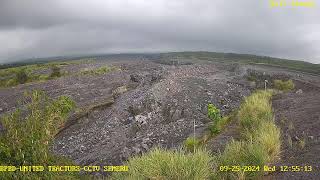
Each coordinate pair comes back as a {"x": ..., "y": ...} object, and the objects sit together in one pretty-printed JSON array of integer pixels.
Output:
[
  {"x": 168, "y": 164},
  {"x": 55, "y": 71},
  {"x": 21, "y": 76},
  {"x": 27, "y": 136},
  {"x": 213, "y": 112},
  {"x": 283, "y": 85},
  {"x": 215, "y": 116}
]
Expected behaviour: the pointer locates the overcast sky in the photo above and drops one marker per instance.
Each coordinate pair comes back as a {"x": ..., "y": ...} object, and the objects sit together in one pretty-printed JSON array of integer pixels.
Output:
[{"x": 43, "y": 28}]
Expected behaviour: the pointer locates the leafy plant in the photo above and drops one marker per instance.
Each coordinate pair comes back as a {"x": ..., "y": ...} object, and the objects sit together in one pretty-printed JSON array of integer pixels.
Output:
[{"x": 215, "y": 116}]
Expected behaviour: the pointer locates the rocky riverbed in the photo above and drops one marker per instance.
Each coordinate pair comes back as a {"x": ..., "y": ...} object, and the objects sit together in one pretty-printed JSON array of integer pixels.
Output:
[{"x": 143, "y": 104}]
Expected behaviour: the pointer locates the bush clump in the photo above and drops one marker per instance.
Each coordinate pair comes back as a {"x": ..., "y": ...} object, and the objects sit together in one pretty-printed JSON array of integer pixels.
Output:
[
  {"x": 21, "y": 76},
  {"x": 168, "y": 164},
  {"x": 283, "y": 85},
  {"x": 27, "y": 136},
  {"x": 55, "y": 72}
]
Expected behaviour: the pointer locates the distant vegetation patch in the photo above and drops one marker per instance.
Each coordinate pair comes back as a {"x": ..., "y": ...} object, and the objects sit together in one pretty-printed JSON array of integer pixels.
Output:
[
  {"x": 34, "y": 73},
  {"x": 98, "y": 71},
  {"x": 29, "y": 73},
  {"x": 283, "y": 85},
  {"x": 243, "y": 58},
  {"x": 28, "y": 135}
]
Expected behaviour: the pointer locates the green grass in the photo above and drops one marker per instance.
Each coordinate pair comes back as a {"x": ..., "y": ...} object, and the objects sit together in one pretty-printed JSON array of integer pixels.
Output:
[
  {"x": 260, "y": 142},
  {"x": 29, "y": 133},
  {"x": 168, "y": 164},
  {"x": 283, "y": 85},
  {"x": 218, "y": 126},
  {"x": 192, "y": 143},
  {"x": 241, "y": 153},
  {"x": 255, "y": 109}
]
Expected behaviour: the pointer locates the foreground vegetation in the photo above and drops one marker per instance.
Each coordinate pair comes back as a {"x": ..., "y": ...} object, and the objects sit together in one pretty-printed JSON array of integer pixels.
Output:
[
  {"x": 169, "y": 164},
  {"x": 28, "y": 134},
  {"x": 259, "y": 145}
]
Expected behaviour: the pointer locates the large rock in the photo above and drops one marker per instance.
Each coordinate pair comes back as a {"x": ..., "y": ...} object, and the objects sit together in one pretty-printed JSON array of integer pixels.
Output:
[
  {"x": 136, "y": 78},
  {"x": 141, "y": 119},
  {"x": 299, "y": 91},
  {"x": 119, "y": 90},
  {"x": 176, "y": 115}
]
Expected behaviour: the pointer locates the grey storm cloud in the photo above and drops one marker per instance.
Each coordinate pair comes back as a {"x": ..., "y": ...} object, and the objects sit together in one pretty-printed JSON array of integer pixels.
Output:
[{"x": 39, "y": 28}]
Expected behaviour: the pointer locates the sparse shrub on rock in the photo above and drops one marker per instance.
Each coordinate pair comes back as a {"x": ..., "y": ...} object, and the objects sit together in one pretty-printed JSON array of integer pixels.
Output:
[
  {"x": 55, "y": 72},
  {"x": 283, "y": 85}
]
